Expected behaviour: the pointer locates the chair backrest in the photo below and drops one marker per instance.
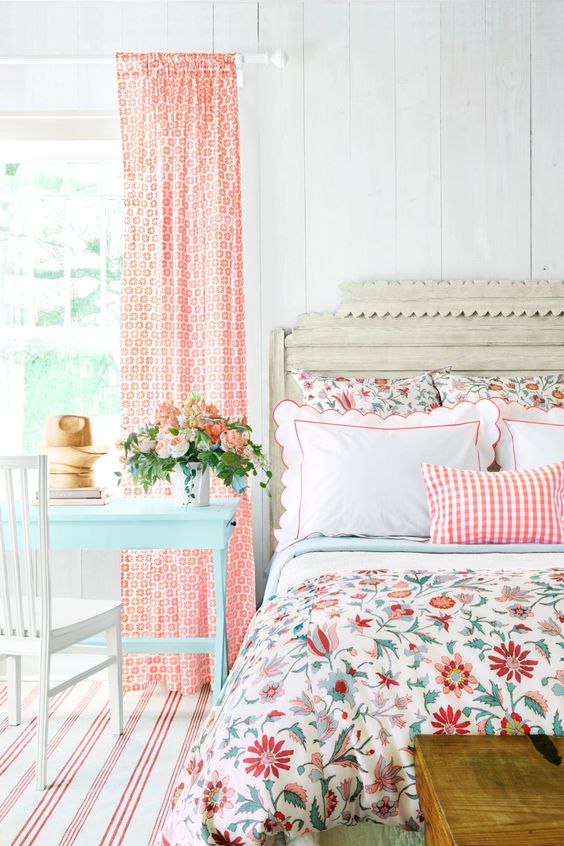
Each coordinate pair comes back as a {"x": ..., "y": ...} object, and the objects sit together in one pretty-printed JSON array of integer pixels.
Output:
[{"x": 25, "y": 592}]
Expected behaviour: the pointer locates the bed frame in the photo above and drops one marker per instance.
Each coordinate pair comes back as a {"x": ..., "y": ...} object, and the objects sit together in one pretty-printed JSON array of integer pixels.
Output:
[{"x": 389, "y": 329}]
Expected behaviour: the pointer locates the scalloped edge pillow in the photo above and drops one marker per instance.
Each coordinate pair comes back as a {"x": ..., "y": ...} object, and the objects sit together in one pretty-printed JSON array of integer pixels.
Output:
[
  {"x": 382, "y": 396},
  {"x": 530, "y": 437},
  {"x": 357, "y": 474}
]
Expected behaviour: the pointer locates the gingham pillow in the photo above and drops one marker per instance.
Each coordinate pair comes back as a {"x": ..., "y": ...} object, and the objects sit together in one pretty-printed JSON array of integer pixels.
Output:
[{"x": 516, "y": 506}]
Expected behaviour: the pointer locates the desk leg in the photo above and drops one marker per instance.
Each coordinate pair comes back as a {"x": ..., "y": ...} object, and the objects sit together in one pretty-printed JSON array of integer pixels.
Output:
[{"x": 220, "y": 665}]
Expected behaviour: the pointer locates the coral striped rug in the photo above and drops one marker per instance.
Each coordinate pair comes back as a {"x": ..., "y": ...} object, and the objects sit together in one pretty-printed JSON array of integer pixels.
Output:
[{"x": 104, "y": 790}]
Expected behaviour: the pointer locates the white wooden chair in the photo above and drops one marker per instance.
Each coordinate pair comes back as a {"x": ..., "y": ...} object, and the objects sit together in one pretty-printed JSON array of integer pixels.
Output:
[{"x": 33, "y": 623}]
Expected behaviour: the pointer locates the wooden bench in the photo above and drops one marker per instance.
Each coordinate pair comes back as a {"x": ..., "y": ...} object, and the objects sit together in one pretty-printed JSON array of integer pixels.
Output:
[{"x": 490, "y": 791}]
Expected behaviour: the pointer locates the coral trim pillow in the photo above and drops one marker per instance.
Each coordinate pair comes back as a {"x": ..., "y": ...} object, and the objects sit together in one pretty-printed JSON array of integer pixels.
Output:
[
  {"x": 530, "y": 437},
  {"x": 515, "y": 506},
  {"x": 359, "y": 474}
]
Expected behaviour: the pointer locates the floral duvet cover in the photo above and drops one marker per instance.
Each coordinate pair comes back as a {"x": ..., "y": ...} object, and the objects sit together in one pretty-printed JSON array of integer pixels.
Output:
[{"x": 315, "y": 726}]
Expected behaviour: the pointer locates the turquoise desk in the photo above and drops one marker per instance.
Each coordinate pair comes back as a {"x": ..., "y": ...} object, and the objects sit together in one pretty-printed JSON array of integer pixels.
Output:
[{"x": 152, "y": 523}]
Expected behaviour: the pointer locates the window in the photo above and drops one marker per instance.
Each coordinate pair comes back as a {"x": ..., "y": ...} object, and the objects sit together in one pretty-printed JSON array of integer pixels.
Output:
[{"x": 61, "y": 219}]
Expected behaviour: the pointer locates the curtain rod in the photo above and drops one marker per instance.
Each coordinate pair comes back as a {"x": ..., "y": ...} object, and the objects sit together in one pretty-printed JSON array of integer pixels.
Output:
[{"x": 277, "y": 58}]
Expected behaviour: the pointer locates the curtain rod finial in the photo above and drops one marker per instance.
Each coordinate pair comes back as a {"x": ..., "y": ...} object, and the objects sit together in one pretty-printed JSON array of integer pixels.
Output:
[{"x": 278, "y": 58}]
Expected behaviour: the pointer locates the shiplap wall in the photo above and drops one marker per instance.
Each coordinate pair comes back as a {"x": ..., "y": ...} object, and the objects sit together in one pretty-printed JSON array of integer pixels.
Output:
[{"x": 404, "y": 139}]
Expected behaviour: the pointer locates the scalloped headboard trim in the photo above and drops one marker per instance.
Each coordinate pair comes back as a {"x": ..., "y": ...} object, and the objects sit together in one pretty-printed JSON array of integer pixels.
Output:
[{"x": 432, "y": 298}]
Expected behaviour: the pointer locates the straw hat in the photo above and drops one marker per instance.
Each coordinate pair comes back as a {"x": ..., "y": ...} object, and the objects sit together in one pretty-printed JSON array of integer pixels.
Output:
[
  {"x": 65, "y": 430},
  {"x": 68, "y": 443}
]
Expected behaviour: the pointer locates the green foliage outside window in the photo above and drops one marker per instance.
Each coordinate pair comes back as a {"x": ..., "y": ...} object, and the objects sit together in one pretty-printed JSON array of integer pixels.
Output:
[
  {"x": 58, "y": 382},
  {"x": 60, "y": 271}
]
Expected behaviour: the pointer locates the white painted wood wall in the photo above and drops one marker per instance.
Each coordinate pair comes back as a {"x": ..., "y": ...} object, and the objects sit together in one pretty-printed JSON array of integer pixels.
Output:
[{"x": 411, "y": 139}]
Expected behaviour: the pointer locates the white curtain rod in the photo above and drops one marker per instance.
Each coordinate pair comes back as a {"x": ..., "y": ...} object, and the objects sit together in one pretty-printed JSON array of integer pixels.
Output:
[{"x": 277, "y": 58}]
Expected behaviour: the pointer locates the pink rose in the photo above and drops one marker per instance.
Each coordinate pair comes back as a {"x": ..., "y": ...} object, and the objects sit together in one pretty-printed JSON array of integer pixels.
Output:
[
  {"x": 234, "y": 441},
  {"x": 178, "y": 446},
  {"x": 146, "y": 444},
  {"x": 163, "y": 448}
]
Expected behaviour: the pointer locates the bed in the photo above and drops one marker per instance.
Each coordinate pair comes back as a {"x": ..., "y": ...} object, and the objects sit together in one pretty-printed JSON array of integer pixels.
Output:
[{"x": 361, "y": 643}]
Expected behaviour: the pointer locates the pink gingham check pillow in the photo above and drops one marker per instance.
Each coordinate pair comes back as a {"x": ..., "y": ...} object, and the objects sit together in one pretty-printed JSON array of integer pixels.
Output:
[{"x": 515, "y": 506}]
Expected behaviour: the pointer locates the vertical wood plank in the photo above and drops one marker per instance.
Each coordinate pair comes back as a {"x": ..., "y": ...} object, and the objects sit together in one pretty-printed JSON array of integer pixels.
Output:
[
  {"x": 281, "y": 124},
  {"x": 54, "y": 30},
  {"x": 144, "y": 25},
  {"x": 547, "y": 62},
  {"x": 463, "y": 140},
  {"x": 101, "y": 574},
  {"x": 327, "y": 151},
  {"x": 99, "y": 27},
  {"x": 508, "y": 139},
  {"x": 190, "y": 27},
  {"x": 282, "y": 220},
  {"x": 418, "y": 140},
  {"x": 16, "y": 28},
  {"x": 373, "y": 141},
  {"x": 15, "y": 88},
  {"x": 236, "y": 31},
  {"x": 66, "y": 579},
  {"x": 99, "y": 33}
]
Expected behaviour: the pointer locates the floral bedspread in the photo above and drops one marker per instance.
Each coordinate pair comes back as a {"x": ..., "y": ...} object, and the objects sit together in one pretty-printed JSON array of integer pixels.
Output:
[{"x": 315, "y": 727}]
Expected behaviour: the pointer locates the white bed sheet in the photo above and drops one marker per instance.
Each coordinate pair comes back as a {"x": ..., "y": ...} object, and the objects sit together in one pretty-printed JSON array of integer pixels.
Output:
[{"x": 311, "y": 565}]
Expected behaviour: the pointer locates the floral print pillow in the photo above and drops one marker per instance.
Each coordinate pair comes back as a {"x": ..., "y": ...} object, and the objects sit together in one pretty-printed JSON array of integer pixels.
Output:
[
  {"x": 382, "y": 396},
  {"x": 544, "y": 391}
]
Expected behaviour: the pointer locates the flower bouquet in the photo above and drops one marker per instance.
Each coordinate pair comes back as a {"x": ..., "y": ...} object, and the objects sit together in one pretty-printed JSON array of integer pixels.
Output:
[{"x": 184, "y": 443}]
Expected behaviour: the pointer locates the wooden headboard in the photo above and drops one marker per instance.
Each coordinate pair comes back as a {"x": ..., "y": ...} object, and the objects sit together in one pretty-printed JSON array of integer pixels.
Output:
[{"x": 395, "y": 328}]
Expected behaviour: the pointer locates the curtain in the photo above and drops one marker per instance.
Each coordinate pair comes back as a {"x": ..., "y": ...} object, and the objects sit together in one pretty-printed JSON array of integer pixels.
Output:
[{"x": 182, "y": 324}]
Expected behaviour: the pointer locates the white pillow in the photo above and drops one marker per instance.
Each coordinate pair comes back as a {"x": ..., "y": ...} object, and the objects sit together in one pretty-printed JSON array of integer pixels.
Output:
[
  {"x": 530, "y": 437},
  {"x": 359, "y": 474}
]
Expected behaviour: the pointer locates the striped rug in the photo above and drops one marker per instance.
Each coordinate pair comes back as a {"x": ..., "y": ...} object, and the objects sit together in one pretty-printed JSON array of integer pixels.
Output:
[{"x": 104, "y": 791}]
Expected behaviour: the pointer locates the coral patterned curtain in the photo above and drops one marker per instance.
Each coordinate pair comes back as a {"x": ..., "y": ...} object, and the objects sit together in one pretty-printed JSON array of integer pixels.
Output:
[{"x": 182, "y": 323}]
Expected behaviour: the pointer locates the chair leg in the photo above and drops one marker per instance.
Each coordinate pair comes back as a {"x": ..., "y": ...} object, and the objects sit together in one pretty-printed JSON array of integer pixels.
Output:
[
  {"x": 42, "y": 722},
  {"x": 14, "y": 679},
  {"x": 113, "y": 639}
]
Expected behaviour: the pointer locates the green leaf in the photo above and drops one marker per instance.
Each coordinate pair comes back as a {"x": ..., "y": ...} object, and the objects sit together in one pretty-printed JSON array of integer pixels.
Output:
[
  {"x": 294, "y": 798},
  {"x": 297, "y": 733},
  {"x": 541, "y": 644},
  {"x": 382, "y": 645},
  {"x": 429, "y": 698},
  {"x": 534, "y": 706},
  {"x": 411, "y": 825},
  {"x": 489, "y": 729},
  {"x": 357, "y": 791},
  {"x": 450, "y": 646},
  {"x": 557, "y": 725},
  {"x": 250, "y": 805},
  {"x": 415, "y": 729},
  {"x": 340, "y": 743},
  {"x": 315, "y": 817},
  {"x": 424, "y": 637},
  {"x": 476, "y": 643},
  {"x": 493, "y": 698}
]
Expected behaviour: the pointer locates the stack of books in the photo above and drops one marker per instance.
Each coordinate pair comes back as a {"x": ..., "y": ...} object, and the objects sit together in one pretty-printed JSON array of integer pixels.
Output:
[{"x": 78, "y": 496}]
